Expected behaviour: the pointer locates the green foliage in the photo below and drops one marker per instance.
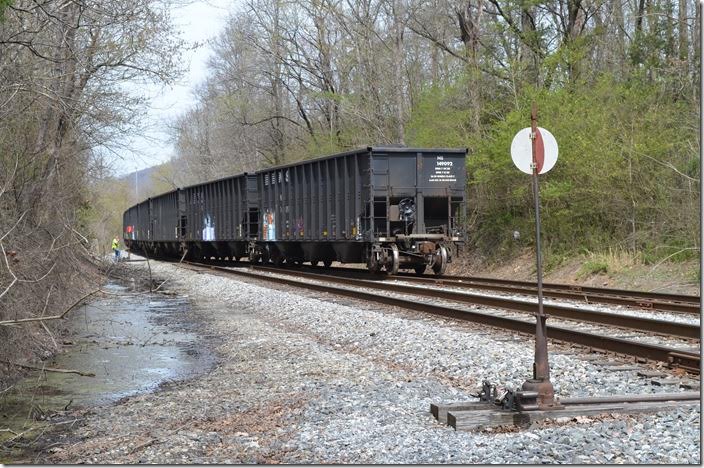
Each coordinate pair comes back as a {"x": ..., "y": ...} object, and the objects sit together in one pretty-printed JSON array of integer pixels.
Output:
[
  {"x": 553, "y": 260},
  {"x": 616, "y": 182},
  {"x": 439, "y": 119},
  {"x": 592, "y": 267},
  {"x": 612, "y": 261},
  {"x": 162, "y": 180},
  {"x": 3, "y": 5},
  {"x": 101, "y": 217}
]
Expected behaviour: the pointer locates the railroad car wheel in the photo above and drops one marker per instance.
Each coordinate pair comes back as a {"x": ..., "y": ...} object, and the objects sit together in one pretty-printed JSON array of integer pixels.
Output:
[
  {"x": 392, "y": 266},
  {"x": 440, "y": 261},
  {"x": 253, "y": 253},
  {"x": 420, "y": 269},
  {"x": 373, "y": 266},
  {"x": 266, "y": 256},
  {"x": 327, "y": 263},
  {"x": 314, "y": 263}
]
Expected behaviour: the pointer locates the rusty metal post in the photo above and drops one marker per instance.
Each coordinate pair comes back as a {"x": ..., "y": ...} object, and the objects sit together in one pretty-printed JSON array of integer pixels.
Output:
[
  {"x": 540, "y": 382},
  {"x": 542, "y": 369}
]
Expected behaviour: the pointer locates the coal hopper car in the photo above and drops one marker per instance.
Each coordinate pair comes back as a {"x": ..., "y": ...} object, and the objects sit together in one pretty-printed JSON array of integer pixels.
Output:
[
  {"x": 390, "y": 208},
  {"x": 211, "y": 220}
]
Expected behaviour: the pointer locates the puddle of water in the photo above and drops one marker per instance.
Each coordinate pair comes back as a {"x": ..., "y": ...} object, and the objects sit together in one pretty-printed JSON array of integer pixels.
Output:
[{"x": 132, "y": 343}]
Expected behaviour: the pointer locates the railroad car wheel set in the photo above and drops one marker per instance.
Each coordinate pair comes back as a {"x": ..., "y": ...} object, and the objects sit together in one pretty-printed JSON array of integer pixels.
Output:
[{"x": 387, "y": 207}]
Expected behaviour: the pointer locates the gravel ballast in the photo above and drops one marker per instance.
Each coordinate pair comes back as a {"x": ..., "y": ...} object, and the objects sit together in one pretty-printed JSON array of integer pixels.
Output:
[{"x": 306, "y": 377}]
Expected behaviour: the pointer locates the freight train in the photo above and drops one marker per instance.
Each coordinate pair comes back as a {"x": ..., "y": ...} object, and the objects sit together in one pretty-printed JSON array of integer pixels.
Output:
[{"x": 388, "y": 207}]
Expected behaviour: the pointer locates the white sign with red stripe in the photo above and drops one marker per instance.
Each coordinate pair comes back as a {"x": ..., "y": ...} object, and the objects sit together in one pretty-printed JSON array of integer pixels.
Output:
[{"x": 545, "y": 151}]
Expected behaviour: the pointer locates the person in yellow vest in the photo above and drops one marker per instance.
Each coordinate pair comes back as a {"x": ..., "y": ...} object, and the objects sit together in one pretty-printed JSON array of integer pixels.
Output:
[{"x": 116, "y": 248}]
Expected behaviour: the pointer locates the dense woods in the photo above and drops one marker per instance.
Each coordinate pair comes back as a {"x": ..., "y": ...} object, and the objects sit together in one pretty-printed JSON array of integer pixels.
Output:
[
  {"x": 64, "y": 108},
  {"x": 616, "y": 81}
]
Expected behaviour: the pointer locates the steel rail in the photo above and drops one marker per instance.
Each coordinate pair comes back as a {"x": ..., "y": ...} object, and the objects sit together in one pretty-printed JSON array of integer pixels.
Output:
[
  {"x": 665, "y": 302},
  {"x": 673, "y": 357},
  {"x": 663, "y": 327},
  {"x": 656, "y": 301},
  {"x": 646, "y": 397},
  {"x": 576, "y": 289},
  {"x": 644, "y": 295},
  {"x": 653, "y": 301},
  {"x": 574, "y": 294}
]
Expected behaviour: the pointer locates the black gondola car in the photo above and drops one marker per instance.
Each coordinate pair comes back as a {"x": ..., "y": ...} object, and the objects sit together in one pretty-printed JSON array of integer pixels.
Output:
[
  {"x": 213, "y": 219},
  {"x": 387, "y": 207},
  {"x": 390, "y": 208},
  {"x": 135, "y": 222},
  {"x": 220, "y": 217}
]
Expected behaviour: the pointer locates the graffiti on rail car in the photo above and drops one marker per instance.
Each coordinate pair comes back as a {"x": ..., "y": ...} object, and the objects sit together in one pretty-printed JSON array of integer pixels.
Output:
[
  {"x": 209, "y": 229},
  {"x": 269, "y": 227}
]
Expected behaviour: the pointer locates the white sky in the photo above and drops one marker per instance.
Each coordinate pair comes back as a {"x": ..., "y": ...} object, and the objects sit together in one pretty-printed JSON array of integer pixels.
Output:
[{"x": 199, "y": 21}]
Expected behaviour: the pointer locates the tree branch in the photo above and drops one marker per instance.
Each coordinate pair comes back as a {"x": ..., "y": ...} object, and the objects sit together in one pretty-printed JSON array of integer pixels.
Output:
[{"x": 51, "y": 317}]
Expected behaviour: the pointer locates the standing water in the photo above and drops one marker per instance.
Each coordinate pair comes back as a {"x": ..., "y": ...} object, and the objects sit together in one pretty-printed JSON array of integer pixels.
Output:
[{"x": 133, "y": 343}]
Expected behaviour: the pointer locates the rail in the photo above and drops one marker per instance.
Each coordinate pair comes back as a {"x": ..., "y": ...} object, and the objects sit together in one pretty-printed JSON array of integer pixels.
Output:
[
  {"x": 662, "y": 327},
  {"x": 671, "y": 356}
]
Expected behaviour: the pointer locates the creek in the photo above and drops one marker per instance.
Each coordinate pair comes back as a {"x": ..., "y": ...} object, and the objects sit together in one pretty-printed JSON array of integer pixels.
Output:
[{"x": 133, "y": 342}]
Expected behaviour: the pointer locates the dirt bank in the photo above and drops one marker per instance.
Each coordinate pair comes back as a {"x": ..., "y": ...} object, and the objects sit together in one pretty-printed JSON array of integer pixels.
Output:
[{"x": 609, "y": 271}]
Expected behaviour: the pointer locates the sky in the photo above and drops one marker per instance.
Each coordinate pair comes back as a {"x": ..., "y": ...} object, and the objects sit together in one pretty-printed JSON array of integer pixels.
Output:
[{"x": 199, "y": 21}]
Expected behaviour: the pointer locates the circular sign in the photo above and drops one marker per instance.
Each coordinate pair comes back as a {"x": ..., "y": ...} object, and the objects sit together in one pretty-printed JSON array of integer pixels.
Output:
[{"x": 545, "y": 150}]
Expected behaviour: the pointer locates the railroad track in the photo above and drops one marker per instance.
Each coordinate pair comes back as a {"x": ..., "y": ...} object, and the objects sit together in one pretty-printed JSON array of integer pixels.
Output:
[
  {"x": 664, "y": 302},
  {"x": 661, "y": 327},
  {"x": 640, "y": 299},
  {"x": 674, "y": 357},
  {"x": 643, "y": 295}
]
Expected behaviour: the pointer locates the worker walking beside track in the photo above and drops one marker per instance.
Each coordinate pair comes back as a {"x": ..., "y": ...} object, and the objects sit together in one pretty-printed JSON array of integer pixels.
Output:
[{"x": 116, "y": 248}]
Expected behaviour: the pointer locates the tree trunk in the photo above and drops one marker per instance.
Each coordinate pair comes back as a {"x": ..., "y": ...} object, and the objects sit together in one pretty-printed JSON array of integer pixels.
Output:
[
  {"x": 278, "y": 123},
  {"x": 469, "y": 28},
  {"x": 398, "y": 71},
  {"x": 619, "y": 33},
  {"x": 696, "y": 49},
  {"x": 434, "y": 66},
  {"x": 670, "y": 48},
  {"x": 683, "y": 46},
  {"x": 528, "y": 56},
  {"x": 639, "y": 17},
  {"x": 56, "y": 121},
  {"x": 325, "y": 58},
  {"x": 575, "y": 24}
]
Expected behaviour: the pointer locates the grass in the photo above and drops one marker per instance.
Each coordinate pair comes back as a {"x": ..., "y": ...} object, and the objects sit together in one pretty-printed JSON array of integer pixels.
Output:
[{"x": 611, "y": 262}]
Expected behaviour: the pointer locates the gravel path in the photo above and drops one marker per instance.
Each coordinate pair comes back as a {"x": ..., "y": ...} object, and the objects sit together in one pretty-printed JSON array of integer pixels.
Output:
[{"x": 310, "y": 378}]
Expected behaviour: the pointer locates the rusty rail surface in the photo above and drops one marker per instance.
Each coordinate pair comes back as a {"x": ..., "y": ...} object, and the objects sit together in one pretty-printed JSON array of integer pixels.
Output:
[
  {"x": 646, "y": 397},
  {"x": 654, "y": 301},
  {"x": 585, "y": 289},
  {"x": 664, "y": 302},
  {"x": 645, "y": 300},
  {"x": 662, "y": 327},
  {"x": 673, "y": 357}
]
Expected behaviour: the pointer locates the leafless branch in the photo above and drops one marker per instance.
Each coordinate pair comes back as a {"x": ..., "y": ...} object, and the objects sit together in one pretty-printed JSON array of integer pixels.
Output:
[
  {"x": 50, "y": 369},
  {"x": 51, "y": 317}
]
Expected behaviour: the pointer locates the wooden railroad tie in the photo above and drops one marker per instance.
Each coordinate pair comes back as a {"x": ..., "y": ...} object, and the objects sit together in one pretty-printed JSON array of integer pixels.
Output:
[{"x": 468, "y": 416}]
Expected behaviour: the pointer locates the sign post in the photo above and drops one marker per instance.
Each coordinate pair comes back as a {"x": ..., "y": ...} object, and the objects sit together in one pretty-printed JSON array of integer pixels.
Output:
[{"x": 534, "y": 151}]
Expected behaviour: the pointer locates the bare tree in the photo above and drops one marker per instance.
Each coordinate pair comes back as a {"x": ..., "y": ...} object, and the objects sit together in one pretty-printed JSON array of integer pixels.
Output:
[{"x": 63, "y": 65}]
